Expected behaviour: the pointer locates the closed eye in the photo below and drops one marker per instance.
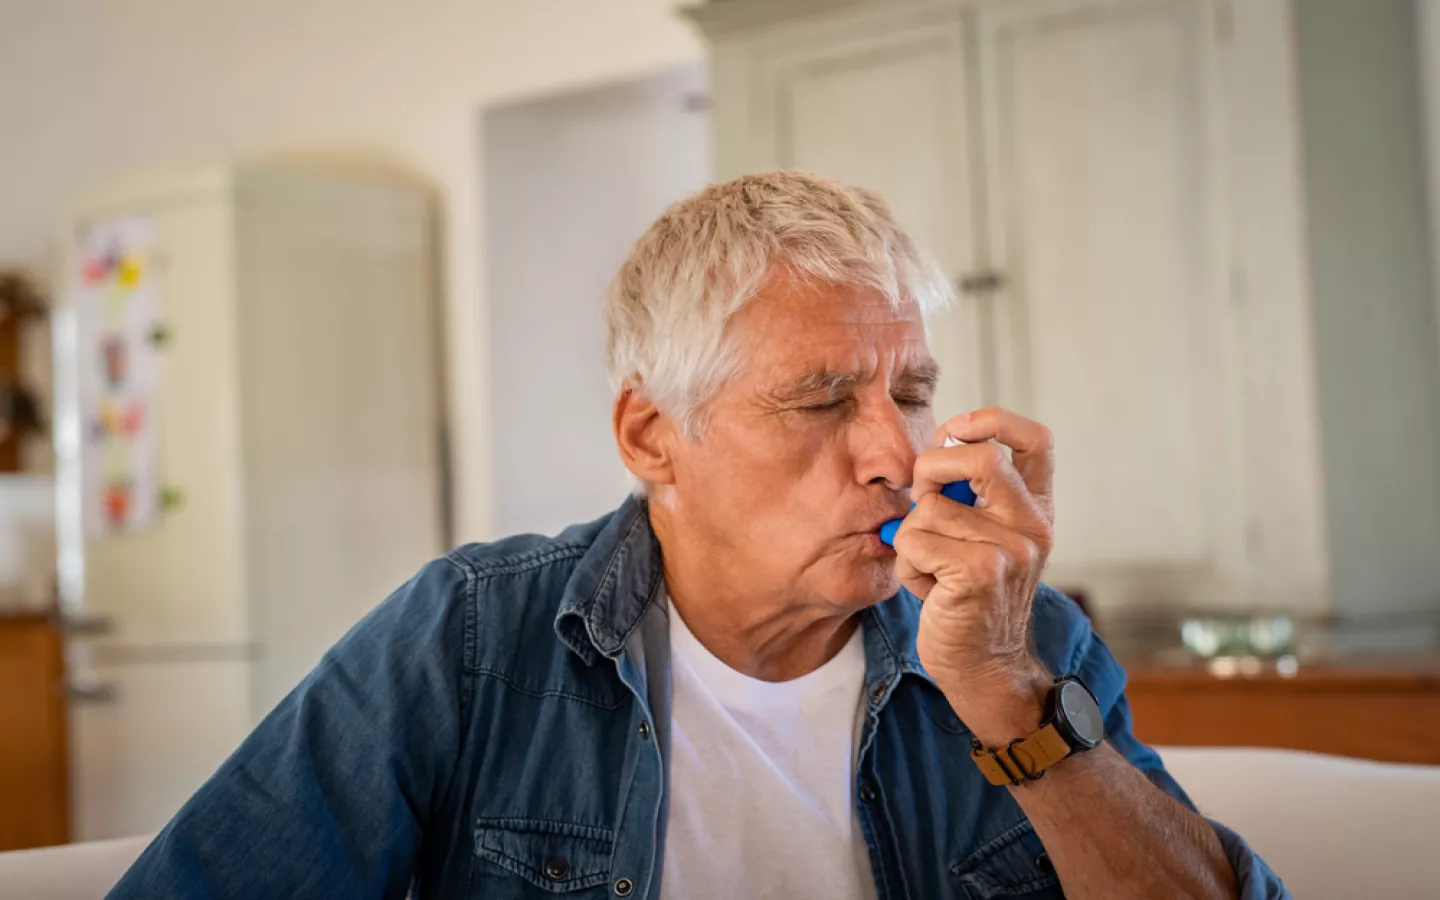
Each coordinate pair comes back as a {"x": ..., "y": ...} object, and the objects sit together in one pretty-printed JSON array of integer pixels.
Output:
[{"x": 915, "y": 402}]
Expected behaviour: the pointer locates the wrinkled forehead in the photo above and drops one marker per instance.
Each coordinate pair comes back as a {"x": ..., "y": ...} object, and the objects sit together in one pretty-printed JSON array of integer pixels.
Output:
[{"x": 806, "y": 331}]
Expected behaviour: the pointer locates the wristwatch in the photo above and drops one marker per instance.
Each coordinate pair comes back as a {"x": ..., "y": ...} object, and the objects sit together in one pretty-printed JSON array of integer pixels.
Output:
[{"x": 1072, "y": 724}]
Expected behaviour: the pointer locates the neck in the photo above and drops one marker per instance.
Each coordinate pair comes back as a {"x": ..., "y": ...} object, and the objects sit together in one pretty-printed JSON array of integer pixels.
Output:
[{"x": 766, "y": 634}]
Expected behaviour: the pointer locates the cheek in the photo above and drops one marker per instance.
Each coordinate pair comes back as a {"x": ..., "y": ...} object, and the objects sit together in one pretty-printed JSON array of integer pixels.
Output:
[
  {"x": 923, "y": 428},
  {"x": 772, "y": 450},
  {"x": 760, "y": 478}
]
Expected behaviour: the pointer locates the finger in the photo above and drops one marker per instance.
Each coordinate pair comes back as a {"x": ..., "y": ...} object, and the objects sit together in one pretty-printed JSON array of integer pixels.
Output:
[
  {"x": 962, "y": 565},
  {"x": 991, "y": 474},
  {"x": 1033, "y": 443},
  {"x": 915, "y": 581},
  {"x": 955, "y": 522}
]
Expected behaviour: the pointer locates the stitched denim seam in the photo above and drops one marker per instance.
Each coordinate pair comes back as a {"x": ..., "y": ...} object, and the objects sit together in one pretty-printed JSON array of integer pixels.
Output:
[
  {"x": 969, "y": 868},
  {"x": 545, "y": 828},
  {"x": 598, "y": 833},
  {"x": 512, "y": 565},
  {"x": 550, "y": 692}
]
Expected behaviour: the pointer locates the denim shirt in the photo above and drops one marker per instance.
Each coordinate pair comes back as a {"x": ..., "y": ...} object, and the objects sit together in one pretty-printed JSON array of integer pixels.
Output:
[{"x": 498, "y": 729}]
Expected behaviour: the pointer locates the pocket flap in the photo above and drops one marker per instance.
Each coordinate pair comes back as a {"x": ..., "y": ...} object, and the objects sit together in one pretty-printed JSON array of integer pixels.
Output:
[
  {"x": 1013, "y": 864},
  {"x": 557, "y": 856}
]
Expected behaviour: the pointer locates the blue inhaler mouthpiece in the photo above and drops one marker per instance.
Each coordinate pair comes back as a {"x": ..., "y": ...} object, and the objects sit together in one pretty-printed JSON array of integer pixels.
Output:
[{"x": 958, "y": 491}]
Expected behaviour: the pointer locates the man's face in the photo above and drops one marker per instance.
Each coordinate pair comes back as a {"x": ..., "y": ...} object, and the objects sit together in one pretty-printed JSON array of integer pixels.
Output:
[{"x": 812, "y": 446}]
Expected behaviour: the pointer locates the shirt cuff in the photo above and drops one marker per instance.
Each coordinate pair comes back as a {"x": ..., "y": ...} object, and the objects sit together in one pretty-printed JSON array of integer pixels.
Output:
[{"x": 1255, "y": 879}]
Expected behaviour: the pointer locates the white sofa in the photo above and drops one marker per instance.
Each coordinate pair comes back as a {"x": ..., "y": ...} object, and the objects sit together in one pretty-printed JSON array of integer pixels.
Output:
[
  {"x": 69, "y": 872},
  {"x": 1335, "y": 829}
]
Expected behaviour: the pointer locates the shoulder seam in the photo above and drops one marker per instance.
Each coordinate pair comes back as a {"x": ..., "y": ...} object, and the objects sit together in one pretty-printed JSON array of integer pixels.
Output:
[{"x": 512, "y": 565}]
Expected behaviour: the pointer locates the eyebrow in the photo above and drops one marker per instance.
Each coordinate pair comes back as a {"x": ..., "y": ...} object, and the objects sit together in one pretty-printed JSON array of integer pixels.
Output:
[
  {"x": 924, "y": 374},
  {"x": 827, "y": 382}
]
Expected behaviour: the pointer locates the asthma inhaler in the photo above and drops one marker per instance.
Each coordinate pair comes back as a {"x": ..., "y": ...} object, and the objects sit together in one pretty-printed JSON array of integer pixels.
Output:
[{"x": 959, "y": 491}]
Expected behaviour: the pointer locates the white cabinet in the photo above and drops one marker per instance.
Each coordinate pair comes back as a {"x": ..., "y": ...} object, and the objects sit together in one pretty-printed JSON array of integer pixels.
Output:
[
  {"x": 155, "y": 735},
  {"x": 1069, "y": 164},
  {"x": 299, "y": 429},
  {"x": 1114, "y": 325}
]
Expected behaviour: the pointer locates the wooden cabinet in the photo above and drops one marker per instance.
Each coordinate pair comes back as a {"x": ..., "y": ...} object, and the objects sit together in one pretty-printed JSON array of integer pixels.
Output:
[
  {"x": 1076, "y": 167},
  {"x": 33, "y": 760},
  {"x": 1387, "y": 713}
]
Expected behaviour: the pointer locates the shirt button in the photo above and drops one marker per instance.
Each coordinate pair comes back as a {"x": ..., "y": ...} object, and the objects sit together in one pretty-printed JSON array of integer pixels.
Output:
[
  {"x": 557, "y": 869},
  {"x": 877, "y": 690},
  {"x": 624, "y": 887},
  {"x": 1043, "y": 863},
  {"x": 867, "y": 793},
  {"x": 644, "y": 731}
]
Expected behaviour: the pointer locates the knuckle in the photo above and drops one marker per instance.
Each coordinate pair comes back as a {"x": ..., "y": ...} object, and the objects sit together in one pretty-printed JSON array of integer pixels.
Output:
[
  {"x": 1044, "y": 538},
  {"x": 993, "y": 566},
  {"x": 928, "y": 506},
  {"x": 909, "y": 544},
  {"x": 1046, "y": 440},
  {"x": 1030, "y": 555}
]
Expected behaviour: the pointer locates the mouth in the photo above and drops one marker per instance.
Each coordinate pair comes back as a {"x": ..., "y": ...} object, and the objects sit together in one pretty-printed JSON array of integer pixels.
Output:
[
  {"x": 887, "y": 517},
  {"x": 874, "y": 546},
  {"x": 871, "y": 535}
]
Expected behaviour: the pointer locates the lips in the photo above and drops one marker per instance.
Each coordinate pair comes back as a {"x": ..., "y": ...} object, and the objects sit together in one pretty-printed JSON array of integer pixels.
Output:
[{"x": 897, "y": 513}]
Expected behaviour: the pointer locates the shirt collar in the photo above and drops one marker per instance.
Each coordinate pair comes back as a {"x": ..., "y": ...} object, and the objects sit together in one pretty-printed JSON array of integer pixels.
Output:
[
  {"x": 890, "y": 630},
  {"x": 615, "y": 582}
]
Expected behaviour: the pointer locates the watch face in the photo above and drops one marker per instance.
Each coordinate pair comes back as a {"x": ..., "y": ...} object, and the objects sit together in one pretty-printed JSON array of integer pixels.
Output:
[{"x": 1081, "y": 713}]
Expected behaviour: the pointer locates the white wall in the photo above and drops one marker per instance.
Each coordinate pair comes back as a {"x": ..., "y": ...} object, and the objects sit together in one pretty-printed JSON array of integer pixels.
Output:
[
  {"x": 1378, "y": 379},
  {"x": 570, "y": 182},
  {"x": 1428, "y": 35},
  {"x": 90, "y": 91}
]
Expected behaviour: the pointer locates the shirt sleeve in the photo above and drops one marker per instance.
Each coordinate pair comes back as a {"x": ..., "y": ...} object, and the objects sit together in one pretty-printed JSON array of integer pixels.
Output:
[
  {"x": 329, "y": 796},
  {"x": 1105, "y": 677}
]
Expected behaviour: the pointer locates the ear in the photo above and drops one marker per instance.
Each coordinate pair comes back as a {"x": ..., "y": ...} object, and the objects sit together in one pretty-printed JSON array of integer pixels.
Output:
[{"x": 644, "y": 436}]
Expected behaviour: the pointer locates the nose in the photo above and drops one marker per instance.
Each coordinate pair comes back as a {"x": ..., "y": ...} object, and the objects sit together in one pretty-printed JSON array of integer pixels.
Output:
[{"x": 883, "y": 444}]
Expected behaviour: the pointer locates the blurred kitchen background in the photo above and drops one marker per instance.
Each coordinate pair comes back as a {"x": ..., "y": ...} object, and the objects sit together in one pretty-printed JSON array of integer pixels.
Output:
[{"x": 297, "y": 294}]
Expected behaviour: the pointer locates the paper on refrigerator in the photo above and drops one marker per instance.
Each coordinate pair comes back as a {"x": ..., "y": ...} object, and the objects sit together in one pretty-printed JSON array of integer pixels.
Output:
[{"x": 119, "y": 321}]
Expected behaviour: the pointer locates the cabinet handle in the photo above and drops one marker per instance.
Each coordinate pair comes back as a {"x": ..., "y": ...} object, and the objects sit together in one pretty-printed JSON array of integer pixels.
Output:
[
  {"x": 986, "y": 282},
  {"x": 85, "y": 624},
  {"x": 91, "y": 693}
]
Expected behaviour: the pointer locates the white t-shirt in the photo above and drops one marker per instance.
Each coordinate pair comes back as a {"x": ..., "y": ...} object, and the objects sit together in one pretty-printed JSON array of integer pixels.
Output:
[{"x": 762, "y": 777}]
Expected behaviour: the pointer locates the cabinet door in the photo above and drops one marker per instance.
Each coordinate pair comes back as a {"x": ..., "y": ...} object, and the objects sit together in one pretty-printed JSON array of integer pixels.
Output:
[
  {"x": 1115, "y": 326},
  {"x": 182, "y": 580},
  {"x": 33, "y": 779},
  {"x": 147, "y": 735},
  {"x": 883, "y": 101}
]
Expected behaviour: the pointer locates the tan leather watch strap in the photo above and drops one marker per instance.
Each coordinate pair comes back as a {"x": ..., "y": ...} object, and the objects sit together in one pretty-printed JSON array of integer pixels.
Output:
[{"x": 1024, "y": 759}]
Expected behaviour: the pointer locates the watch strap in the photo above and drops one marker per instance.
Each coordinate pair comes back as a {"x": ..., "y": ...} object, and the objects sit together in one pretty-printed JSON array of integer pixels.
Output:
[{"x": 1024, "y": 759}]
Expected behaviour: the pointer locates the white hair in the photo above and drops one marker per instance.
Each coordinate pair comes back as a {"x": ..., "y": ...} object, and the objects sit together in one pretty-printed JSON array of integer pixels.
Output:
[{"x": 667, "y": 308}]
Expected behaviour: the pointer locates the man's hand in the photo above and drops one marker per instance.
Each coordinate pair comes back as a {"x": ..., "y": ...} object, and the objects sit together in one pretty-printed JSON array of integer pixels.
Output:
[{"x": 977, "y": 568}]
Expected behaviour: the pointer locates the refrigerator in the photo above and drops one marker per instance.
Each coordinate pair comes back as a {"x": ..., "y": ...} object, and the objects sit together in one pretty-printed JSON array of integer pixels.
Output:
[{"x": 249, "y": 447}]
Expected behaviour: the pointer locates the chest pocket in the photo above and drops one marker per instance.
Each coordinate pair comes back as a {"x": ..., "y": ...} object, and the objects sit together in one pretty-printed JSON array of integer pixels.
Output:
[
  {"x": 520, "y": 858},
  {"x": 1012, "y": 865}
]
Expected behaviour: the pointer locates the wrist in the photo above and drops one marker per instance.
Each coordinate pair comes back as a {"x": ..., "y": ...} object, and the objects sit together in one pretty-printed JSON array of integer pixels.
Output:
[{"x": 999, "y": 707}]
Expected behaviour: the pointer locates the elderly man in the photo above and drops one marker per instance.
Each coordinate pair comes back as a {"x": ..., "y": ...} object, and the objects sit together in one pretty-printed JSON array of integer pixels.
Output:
[{"x": 731, "y": 686}]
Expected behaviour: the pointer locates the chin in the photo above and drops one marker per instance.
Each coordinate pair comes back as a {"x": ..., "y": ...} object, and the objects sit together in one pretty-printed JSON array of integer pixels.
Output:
[{"x": 867, "y": 585}]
